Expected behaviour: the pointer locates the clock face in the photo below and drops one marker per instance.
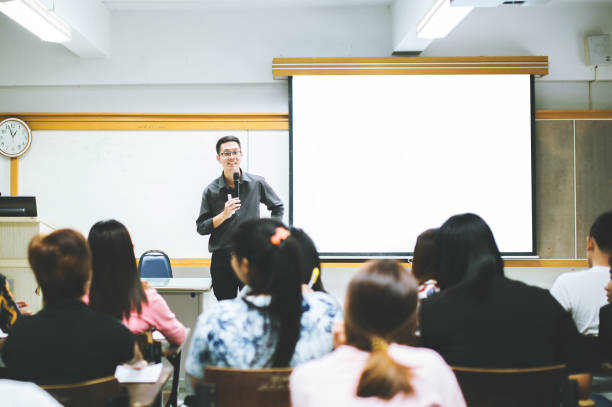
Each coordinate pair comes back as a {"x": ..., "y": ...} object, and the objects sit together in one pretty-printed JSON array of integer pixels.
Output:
[{"x": 15, "y": 137}]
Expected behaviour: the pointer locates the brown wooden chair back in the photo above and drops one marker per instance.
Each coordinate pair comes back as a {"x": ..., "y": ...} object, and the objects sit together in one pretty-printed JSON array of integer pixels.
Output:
[
  {"x": 249, "y": 387},
  {"x": 530, "y": 387},
  {"x": 92, "y": 393}
]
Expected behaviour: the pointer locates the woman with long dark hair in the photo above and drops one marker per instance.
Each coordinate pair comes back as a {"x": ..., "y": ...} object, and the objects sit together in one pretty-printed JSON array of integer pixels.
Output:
[
  {"x": 483, "y": 319},
  {"x": 271, "y": 323},
  {"x": 377, "y": 366},
  {"x": 116, "y": 289}
]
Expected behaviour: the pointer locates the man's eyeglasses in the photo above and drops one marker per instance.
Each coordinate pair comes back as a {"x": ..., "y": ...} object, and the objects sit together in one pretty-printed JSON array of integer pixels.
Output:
[{"x": 228, "y": 154}]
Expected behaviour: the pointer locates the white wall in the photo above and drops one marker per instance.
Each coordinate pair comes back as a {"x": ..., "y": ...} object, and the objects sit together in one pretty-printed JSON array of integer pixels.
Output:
[
  {"x": 556, "y": 32},
  {"x": 220, "y": 61},
  {"x": 198, "y": 47}
]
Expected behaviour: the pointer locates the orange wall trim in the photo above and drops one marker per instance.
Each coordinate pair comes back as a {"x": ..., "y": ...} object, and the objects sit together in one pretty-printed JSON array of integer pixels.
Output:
[
  {"x": 573, "y": 114},
  {"x": 15, "y": 176},
  {"x": 153, "y": 121},
  {"x": 507, "y": 263}
]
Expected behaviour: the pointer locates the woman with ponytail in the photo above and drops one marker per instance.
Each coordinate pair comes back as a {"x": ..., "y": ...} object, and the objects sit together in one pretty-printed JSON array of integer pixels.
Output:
[
  {"x": 377, "y": 366},
  {"x": 271, "y": 323}
]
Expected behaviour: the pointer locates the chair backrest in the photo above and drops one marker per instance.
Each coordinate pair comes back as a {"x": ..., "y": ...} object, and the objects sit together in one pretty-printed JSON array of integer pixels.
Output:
[
  {"x": 92, "y": 393},
  {"x": 539, "y": 386},
  {"x": 154, "y": 264},
  {"x": 249, "y": 387}
]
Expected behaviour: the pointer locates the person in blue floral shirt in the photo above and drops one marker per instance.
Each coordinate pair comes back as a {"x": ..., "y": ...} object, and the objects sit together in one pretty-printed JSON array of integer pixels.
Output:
[{"x": 272, "y": 323}]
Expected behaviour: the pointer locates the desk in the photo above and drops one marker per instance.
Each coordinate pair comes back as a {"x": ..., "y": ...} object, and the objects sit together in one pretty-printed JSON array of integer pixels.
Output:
[
  {"x": 185, "y": 297},
  {"x": 144, "y": 394}
]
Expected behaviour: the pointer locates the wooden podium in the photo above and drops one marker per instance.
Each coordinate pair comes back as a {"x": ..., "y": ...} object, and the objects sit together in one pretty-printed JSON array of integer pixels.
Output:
[{"x": 15, "y": 235}]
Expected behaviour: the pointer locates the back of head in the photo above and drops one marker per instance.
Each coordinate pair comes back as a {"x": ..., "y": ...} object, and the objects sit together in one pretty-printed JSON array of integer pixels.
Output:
[
  {"x": 381, "y": 308},
  {"x": 601, "y": 231},
  {"x": 310, "y": 259},
  {"x": 466, "y": 254},
  {"x": 274, "y": 260},
  {"x": 423, "y": 259},
  {"x": 61, "y": 262},
  {"x": 115, "y": 286}
]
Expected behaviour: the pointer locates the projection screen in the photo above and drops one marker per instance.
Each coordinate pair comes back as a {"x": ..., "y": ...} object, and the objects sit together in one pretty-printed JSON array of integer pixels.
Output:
[{"x": 376, "y": 160}]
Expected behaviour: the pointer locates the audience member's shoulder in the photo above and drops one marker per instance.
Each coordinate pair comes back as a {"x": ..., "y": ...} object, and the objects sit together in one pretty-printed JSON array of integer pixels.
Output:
[
  {"x": 225, "y": 310},
  {"x": 322, "y": 301},
  {"x": 411, "y": 356},
  {"x": 606, "y": 310},
  {"x": 18, "y": 393},
  {"x": 25, "y": 323}
]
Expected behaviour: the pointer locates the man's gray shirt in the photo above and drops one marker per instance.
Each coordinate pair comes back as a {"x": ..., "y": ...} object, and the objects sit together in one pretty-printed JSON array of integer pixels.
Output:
[{"x": 253, "y": 190}]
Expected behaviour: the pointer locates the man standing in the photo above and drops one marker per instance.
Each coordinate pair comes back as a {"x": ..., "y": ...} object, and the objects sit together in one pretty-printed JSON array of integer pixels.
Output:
[
  {"x": 225, "y": 205},
  {"x": 583, "y": 293}
]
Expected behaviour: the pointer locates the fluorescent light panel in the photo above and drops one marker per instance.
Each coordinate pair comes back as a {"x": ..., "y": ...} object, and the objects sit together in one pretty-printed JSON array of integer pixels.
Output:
[
  {"x": 35, "y": 17},
  {"x": 441, "y": 19}
]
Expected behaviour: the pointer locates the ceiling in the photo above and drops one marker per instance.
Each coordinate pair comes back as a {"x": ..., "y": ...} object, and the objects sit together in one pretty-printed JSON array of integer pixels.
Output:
[{"x": 141, "y": 5}]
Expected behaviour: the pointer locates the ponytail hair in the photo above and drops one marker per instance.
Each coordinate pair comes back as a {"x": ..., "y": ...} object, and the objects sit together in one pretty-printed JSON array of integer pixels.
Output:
[
  {"x": 274, "y": 258},
  {"x": 381, "y": 308}
]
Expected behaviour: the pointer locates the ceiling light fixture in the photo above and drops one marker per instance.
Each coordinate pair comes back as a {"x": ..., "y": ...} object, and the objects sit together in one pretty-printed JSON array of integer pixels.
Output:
[
  {"x": 38, "y": 19},
  {"x": 441, "y": 19}
]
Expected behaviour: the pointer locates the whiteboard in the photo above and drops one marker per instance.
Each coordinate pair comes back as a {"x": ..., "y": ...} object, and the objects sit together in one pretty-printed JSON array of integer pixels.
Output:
[{"x": 151, "y": 181}]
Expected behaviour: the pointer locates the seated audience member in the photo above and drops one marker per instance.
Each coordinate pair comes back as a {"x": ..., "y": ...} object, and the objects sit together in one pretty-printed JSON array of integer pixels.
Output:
[
  {"x": 582, "y": 293},
  {"x": 376, "y": 366},
  {"x": 423, "y": 264},
  {"x": 311, "y": 263},
  {"x": 272, "y": 323},
  {"x": 66, "y": 341},
  {"x": 116, "y": 289},
  {"x": 605, "y": 319},
  {"x": 9, "y": 311},
  {"x": 480, "y": 318},
  {"x": 25, "y": 394}
]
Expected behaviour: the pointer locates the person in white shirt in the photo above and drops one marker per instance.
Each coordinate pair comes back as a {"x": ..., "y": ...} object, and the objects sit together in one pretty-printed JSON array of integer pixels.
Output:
[
  {"x": 583, "y": 293},
  {"x": 25, "y": 394}
]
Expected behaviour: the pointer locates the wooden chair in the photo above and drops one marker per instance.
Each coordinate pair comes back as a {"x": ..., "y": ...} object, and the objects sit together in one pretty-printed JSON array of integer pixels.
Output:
[
  {"x": 91, "y": 393},
  {"x": 249, "y": 387},
  {"x": 531, "y": 387}
]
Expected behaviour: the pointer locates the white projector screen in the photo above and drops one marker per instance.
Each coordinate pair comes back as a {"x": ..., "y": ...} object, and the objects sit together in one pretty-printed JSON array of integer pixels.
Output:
[{"x": 376, "y": 160}]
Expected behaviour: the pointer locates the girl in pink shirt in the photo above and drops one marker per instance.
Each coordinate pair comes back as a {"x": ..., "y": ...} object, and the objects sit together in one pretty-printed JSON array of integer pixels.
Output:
[
  {"x": 116, "y": 289},
  {"x": 376, "y": 367}
]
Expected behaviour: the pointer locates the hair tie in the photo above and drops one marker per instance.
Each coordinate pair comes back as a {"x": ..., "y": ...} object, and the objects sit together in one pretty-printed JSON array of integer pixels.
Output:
[
  {"x": 314, "y": 276},
  {"x": 378, "y": 343},
  {"x": 279, "y": 235}
]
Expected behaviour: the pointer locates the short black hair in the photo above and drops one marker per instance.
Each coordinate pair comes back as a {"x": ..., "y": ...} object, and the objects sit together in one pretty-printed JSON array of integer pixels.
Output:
[
  {"x": 601, "y": 231},
  {"x": 226, "y": 139}
]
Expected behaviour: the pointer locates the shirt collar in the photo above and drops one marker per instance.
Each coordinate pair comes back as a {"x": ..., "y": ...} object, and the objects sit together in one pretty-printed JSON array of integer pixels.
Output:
[
  {"x": 257, "y": 300},
  {"x": 244, "y": 177}
]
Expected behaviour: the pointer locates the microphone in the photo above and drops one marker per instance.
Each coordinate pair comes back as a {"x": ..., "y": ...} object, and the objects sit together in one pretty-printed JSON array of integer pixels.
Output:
[{"x": 237, "y": 185}]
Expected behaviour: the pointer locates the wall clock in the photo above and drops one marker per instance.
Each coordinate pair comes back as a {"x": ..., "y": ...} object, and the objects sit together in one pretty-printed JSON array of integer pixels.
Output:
[{"x": 15, "y": 137}]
